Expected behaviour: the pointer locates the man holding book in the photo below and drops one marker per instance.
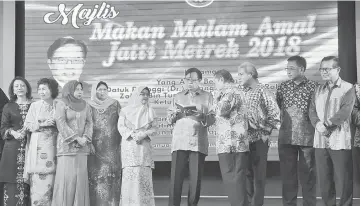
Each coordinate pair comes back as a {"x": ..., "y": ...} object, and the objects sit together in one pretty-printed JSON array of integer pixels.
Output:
[{"x": 190, "y": 118}]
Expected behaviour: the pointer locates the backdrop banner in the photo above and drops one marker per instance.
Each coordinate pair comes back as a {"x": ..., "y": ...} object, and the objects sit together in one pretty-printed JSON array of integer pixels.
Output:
[{"x": 153, "y": 42}]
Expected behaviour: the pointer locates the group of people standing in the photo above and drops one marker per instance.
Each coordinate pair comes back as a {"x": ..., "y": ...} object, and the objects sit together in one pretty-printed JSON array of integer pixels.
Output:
[
  {"x": 314, "y": 122},
  {"x": 70, "y": 151},
  {"x": 67, "y": 151}
]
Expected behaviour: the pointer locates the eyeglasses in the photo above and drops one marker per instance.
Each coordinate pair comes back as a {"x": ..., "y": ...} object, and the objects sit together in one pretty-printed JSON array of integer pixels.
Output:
[
  {"x": 326, "y": 69},
  {"x": 64, "y": 60},
  {"x": 191, "y": 80},
  {"x": 144, "y": 94},
  {"x": 291, "y": 68}
]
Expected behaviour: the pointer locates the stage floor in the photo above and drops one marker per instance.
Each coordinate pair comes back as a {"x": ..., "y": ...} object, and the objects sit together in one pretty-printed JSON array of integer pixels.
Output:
[
  {"x": 224, "y": 202},
  {"x": 212, "y": 193}
]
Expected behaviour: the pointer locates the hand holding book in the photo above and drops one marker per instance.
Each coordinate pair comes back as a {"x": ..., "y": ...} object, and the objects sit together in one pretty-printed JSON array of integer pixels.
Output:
[{"x": 189, "y": 110}]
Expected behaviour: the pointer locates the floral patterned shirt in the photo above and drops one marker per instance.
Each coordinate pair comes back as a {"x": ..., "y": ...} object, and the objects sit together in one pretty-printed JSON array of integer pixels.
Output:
[
  {"x": 356, "y": 116},
  {"x": 263, "y": 111},
  {"x": 231, "y": 122},
  {"x": 189, "y": 133},
  {"x": 294, "y": 101}
]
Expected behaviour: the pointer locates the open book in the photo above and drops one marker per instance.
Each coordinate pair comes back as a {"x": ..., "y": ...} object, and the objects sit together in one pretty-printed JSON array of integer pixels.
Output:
[{"x": 187, "y": 109}]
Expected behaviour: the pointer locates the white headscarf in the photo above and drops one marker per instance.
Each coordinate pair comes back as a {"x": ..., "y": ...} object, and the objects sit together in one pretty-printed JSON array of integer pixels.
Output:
[{"x": 137, "y": 113}]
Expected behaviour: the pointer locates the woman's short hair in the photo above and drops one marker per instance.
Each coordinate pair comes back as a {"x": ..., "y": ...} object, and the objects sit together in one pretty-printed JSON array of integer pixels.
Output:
[
  {"x": 226, "y": 75},
  {"x": 102, "y": 83},
  {"x": 52, "y": 85},
  {"x": 64, "y": 41},
  {"x": 12, "y": 95}
]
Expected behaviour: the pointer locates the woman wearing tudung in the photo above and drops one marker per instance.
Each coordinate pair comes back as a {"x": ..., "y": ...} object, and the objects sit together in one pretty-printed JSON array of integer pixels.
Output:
[
  {"x": 74, "y": 122},
  {"x": 40, "y": 157},
  {"x": 16, "y": 191},
  {"x": 104, "y": 165},
  {"x": 137, "y": 125}
]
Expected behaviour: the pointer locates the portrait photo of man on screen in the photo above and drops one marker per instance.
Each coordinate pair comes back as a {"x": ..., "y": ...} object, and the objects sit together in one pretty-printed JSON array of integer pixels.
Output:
[{"x": 66, "y": 60}]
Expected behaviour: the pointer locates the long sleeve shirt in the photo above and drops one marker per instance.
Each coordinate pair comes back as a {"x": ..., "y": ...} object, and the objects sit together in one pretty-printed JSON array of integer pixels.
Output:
[
  {"x": 231, "y": 122},
  {"x": 190, "y": 133},
  {"x": 294, "y": 101},
  {"x": 3, "y": 100},
  {"x": 356, "y": 116},
  {"x": 132, "y": 154},
  {"x": 41, "y": 149},
  {"x": 263, "y": 111},
  {"x": 333, "y": 106},
  {"x": 72, "y": 125}
]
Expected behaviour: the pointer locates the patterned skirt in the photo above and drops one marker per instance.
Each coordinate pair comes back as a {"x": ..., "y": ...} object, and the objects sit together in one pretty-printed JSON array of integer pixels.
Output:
[
  {"x": 16, "y": 194},
  {"x": 41, "y": 189},
  {"x": 137, "y": 187}
]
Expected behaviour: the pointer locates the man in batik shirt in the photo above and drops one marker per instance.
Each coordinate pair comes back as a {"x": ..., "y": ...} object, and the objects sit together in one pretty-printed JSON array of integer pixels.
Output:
[
  {"x": 263, "y": 116},
  {"x": 231, "y": 139},
  {"x": 295, "y": 140},
  {"x": 190, "y": 138},
  {"x": 330, "y": 114},
  {"x": 356, "y": 122}
]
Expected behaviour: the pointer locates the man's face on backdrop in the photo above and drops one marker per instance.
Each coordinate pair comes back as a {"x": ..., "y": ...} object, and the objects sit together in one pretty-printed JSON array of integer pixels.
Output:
[{"x": 67, "y": 63}]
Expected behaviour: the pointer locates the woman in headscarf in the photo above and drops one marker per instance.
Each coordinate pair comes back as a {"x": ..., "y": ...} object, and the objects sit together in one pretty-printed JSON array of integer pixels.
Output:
[
  {"x": 104, "y": 166},
  {"x": 137, "y": 125},
  {"x": 16, "y": 191},
  {"x": 40, "y": 166},
  {"x": 74, "y": 122}
]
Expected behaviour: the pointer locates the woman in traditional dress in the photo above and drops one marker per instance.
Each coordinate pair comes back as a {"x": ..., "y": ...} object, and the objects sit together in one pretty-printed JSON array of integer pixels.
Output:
[
  {"x": 74, "y": 122},
  {"x": 40, "y": 151},
  {"x": 104, "y": 166},
  {"x": 137, "y": 125},
  {"x": 16, "y": 191}
]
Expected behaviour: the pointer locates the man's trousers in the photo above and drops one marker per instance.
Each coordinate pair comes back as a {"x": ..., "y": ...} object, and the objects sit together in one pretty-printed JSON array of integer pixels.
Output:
[
  {"x": 297, "y": 162},
  {"x": 234, "y": 174},
  {"x": 335, "y": 165},
  {"x": 257, "y": 172},
  {"x": 180, "y": 160}
]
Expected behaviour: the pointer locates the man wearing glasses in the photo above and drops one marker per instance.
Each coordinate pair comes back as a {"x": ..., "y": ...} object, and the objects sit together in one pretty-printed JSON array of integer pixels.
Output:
[
  {"x": 330, "y": 113},
  {"x": 295, "y": 140},
  {"x": 190, "y": 137}
]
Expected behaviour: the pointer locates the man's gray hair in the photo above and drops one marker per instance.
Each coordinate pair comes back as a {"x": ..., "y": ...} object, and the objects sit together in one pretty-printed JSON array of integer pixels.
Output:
[{"x": 249, "y": 68}]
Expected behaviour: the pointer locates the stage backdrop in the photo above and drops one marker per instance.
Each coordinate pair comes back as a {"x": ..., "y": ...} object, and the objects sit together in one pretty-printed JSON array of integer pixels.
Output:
[{"x": 154, "y": 42}]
